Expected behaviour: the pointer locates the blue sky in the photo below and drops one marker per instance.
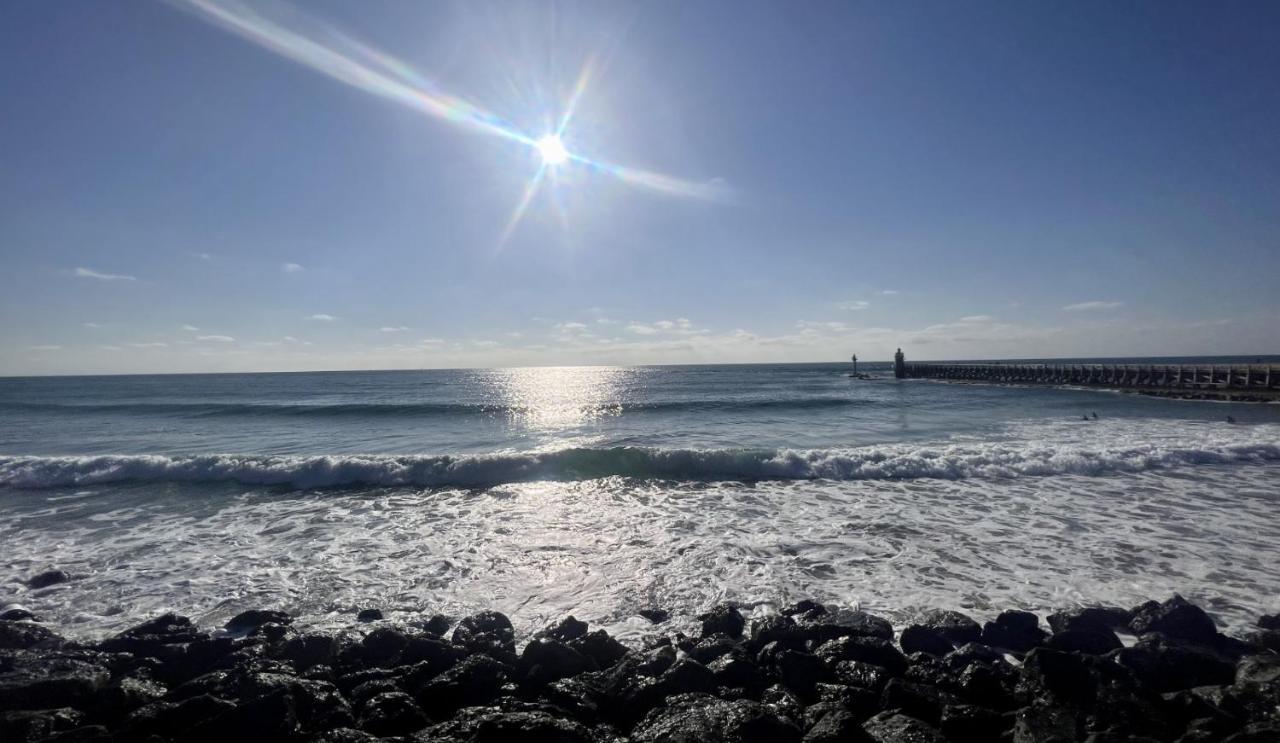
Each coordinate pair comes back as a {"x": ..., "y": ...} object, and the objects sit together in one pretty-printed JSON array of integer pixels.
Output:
[{"x": 961, "y": 180}]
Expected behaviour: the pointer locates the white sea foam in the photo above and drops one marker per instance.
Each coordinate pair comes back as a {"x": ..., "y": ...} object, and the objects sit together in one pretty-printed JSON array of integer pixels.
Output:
[{"x": 889, "y": 462}]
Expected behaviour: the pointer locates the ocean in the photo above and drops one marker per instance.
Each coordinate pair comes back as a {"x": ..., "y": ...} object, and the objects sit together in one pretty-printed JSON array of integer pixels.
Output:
[{"x": 598, "y": 492}]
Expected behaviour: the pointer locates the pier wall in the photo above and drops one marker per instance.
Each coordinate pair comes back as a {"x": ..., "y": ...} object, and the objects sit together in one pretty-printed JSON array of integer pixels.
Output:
[{"x": 1206, "y": 377}]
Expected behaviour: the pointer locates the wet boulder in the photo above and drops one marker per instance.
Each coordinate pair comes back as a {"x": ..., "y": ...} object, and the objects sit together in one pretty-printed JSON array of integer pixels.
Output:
[
  {"x": 569, "y": 628},
  {"x": 475, "y": 681},
  {"x": 548, "y": 660},
  {"x": 1091, "y": 641},
  {"x": 894, "y": 727},
  {"x": 164, "y": 638},
  {"x": 488, "y": 632},
  {"x": 723, "y": 619},
  {"x": 391, "y": 713},
  {"x": 47, "y": 578},
  {"x": 937, "y": 632},
  {"x": 969, "y": 722},
  {"x": 600, "y": 648},
  {"x": 173, "y": 720},
  {"x": 837, "y": 726},
  {"x": 801, "y": 672},
  {"x": 1018, "y": 631},
  {"x": 27, "y": 636},
  {"x": 778, "y": 628},
  {"x": 382, "y": 647},
  {"x": 16, "y": 613},
  {"x": 697, "y": 718},
  {"x": 920, "y": 701},
  {"x": 501, "y": 724},
  {"x": 254, "y": 618},
  {"x": 32, "y": 725},
  {"x": 369, "y": 615},
  {"x": 866, "y": 649},
  {"x": 1176, "y": 618},
  {"x": 50, "y": 679},
  {"x": 1269, "y": 621},
  {"x": 829, "y": 624},
  {"x": 862, "y": 675},
  {"x": 1165, "y": 665},
  {"x": 1106, "y": 618},
  {"x": 655, "y": 615},
  {"x": 309, "y": 650}
]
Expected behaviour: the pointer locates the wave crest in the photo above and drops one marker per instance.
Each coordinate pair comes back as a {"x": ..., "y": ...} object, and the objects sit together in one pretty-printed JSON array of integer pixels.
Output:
[{"x": 896, "y": 462}]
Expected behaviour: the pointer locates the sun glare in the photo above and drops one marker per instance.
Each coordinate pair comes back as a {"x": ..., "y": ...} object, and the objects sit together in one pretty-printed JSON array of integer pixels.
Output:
[{"x": 552, "y": 150}]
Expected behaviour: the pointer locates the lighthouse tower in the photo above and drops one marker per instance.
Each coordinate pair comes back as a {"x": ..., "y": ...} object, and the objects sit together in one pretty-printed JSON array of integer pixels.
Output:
[{"x": 899, "y": 365}]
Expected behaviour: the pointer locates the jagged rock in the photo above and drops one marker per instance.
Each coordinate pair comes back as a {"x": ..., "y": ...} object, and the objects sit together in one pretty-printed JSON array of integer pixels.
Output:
[
  {"x": 27, "y": 636},
  {"x": 345, "y": 735},
  {"x": 600, "y": 647},
  {"x": 708, "y": 649},
  {"x": 892, "y": 727},
  {"x": 826, "y": 625},
  {"x": 17, "y": 614},
  {"x": 867, "y": 649},
  {"x": 837, "y": 726},
  {"x": 1256, "y": 733},
  {"x": 163, "y": 638},
  {"x": 272, "y": 632},
  {"x": 783, "y": 702},
  {"x": 778, "y": 628},
  {"x": 1091, "y": 641},
  {"x": 391, "y": 713},
  {"x": 1106, "y": 618},
  {"x": 48, "y": 680},
  {"x": 488, "y": 632},
  {"x": 862, "y": 675},
  {"x": 174, "y": 719},
  {"x": 800, "y": 671},
  {"x": 805, "y": 608},
  {"x": 254, "y": 618},
  {"x": 382, "y": 647},
  {"x": 655, "y": 616},
  {"x": 1176, "y": 618},
  {"x": 1258, "y": 669},
  {"x": 567, "y": 629},
  {"x": 1040, "y": 723},
  {"x": 1267, "y": 638},
  {"x": 124, "y": 695},
  {"x": 965, "y": 722},
  {"x": 369, "y": 615},
  {"x": 32, "y": 725},
  {"x": 547, "y": 660},
  {"x": 370, "y": 689},
  {"x": 1269, "y": 621},
  {"x": 496, "y": 725},
  {"x": 1018, "y": 631},
  {"x": 736, "y": 670},
  {"x": 722, "y": 619},
  {"x": 937, "y": 632},
  {"x": 474, "y": 681},
  {"x": 698, "y": 718},
  {"x": 307, "y": 651},
  {"x": 920, "y": 701},
  {"x": 686, "y": 676},
  {"x": 1167, "y": 665},
  {"x": 85, "y": 734},
  {"x": 47, "y": 578},
  {"x": 437, "y": 625}
]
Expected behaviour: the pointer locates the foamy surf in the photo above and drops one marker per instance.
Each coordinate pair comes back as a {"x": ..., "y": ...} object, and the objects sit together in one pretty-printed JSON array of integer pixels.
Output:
[{"x": 898, "y": 462}]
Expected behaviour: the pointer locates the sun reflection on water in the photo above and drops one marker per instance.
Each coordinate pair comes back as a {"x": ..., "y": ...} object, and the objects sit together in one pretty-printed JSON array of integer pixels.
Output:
[{"x": 558, "y": 398}]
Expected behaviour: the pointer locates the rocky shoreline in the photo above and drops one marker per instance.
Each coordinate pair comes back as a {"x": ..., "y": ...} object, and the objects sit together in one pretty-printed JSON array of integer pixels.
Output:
[{"x": 809, "y": 673}]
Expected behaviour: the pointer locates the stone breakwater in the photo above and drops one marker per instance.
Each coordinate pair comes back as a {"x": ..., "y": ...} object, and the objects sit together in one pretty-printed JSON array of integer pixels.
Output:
[{"x": 810, "y": 673}]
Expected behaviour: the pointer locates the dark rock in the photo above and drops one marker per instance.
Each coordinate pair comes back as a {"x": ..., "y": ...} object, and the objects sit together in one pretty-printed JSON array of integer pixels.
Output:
[
  {"x": 656, "y": 616},
  {"x": 1091, "y": 641},
  {"x": 1176, "y": 618},
  {"x": 349, "y": 682},
  {"x": 829, "y": 624},
  {"x": 600, "y": 647},
  {"x": 86, "y": 734},
  {"x": 253, "y": 618},
  {"x": 547, "y": 660},
  {"x": 48, "y": 680},
  {"x": 653, "y": 662},
  {"x": 708, "y": 649},
  {"x": 345, "y": 735},
  {"x": 437, "y": 652},
  {"x": 736, "y": 671},
  {"x": 937, "y": 632},
  {"x": 1039, "y": 723},
  {"x": 862, "y": 675},
  {"x": 722, "y": 619},
  {"x": 497, "y": 725},
  {"x": 801, "y": 671},
  {"x": 32, "y": 725},
  {"x": 174, "y": 720},
  {"x": 163, "y": 638},
  {"x": 783, "y": 702},
  {"x": 892, "y": 727},
  {"x": 383, "y": 646},
  {"x": 1269, "y": 621},
  {"x": 125, "y": 695},
  {"x": 967, "y": 722},
  {"x": 369, "y": 615},
  {"x": 696, "y": 718},
  {"x": 306, "y": 651},
  {"x": 1018, "y": 631},
  {"x": 989, "y": 685},
  {"x": 1258, "y": 669},
  {"x": 1165, "y": 665},
  {"x": 27, "y": 636},
  {"x": 837, "y": 726},
  {"x": 917, "y": 700},
  {"x": 567, "y": 629},
  {"x": 392, "y": 713},
  {"x": 47, "y": 578},
  {"x": 686, "y": 676},
  {"x": 1103, "y": 618},
  {"x": 488, "y": 632},
  {"x": 475, "y": 681},
  {"x": 805, "y": 608},
  {"x": 867, "y": 649},
  {"x": 16, "y": 614},
  {"x": 437, "y": 625},
  {"x": 778, "y": 628},
  {"x": 1267, "y": 638},
  {"x": 272, "y": 632},
  {"x": 1256, "y": 733}
]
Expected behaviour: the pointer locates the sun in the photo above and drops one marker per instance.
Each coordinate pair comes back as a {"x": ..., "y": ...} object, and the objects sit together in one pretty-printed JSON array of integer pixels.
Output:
[{"x": 552, "y": 150}]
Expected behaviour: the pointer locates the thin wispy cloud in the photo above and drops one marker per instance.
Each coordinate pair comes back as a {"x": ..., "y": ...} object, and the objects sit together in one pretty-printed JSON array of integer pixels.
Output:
[
  {"x": 854, "y": 305},
  {"x": 889, "y": 292},
  {"x": 89, "y": 273},
  {"x": 91, "y": 325},
  {"x": 148, "y": 344},
  {"x": 393, "y": 328},
  {"x": 202, "y": 256},
  {"x": 1092, "y": 306},
  {"x": 292, "y": 268},
  {"x": 190, "y": 328},
  {"x": 322, "y": 317},
  {"x": 976, "y": 318},
  {"x": 47, "y": 347},
  {"x": 216, "y": 338}
]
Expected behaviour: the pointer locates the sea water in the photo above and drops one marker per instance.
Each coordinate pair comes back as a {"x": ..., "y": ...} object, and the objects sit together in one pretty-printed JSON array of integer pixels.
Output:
[{"x": 542, "y": 492}]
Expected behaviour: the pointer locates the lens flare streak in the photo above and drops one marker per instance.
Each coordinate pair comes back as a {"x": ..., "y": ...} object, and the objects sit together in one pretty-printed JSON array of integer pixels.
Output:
[{"x": 328, "y": 51}]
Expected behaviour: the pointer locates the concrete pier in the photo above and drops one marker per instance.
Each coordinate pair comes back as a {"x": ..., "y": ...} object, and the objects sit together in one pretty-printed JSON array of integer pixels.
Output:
[{"x": 1231, "y": 381}]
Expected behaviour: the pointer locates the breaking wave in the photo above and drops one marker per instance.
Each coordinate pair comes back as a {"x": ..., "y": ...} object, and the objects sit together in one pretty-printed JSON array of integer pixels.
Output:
[{"x": 894, "y": 462}]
